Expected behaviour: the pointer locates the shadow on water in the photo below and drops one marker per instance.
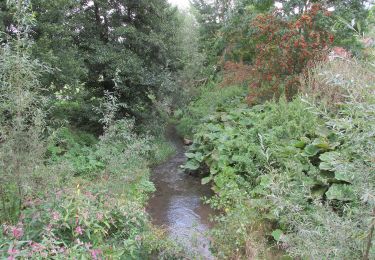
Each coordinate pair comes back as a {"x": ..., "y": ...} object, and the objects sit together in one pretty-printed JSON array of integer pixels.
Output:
[{"x": 177, "y": 205}]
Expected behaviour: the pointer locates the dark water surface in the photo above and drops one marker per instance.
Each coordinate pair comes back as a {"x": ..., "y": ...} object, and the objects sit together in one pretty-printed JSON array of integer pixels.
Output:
[{"x": 177, "y": 205}]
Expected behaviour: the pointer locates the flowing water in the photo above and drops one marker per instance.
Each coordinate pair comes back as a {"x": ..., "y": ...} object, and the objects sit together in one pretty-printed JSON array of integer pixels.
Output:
[{"x": 177, "y": 205}]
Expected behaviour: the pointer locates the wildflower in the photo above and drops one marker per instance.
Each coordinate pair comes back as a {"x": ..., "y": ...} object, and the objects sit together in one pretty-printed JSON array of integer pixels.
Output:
[
  {"x": 12, "y": 253},
  {"x": 100, "y": 216},
  {"x": 95, "y": 254},
  {"x": 79, "y": 230},
  {"x": 17, "y": 232},
  {"x": 55, "y": 215}
]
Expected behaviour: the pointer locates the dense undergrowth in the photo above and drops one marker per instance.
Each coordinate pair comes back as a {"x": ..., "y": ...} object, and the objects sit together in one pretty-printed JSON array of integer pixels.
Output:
[
  {"x": 88, "y": 200},
  {"x": 296, "y": 176},
  {"x": 66, "y": 193}
]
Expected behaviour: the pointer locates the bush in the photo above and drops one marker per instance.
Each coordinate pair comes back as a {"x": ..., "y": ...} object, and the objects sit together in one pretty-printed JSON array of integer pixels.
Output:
[
  {"x": 211, "y": 98},
  {"x": 22, "y": 115},
  {"x": 304, "y": 172}
]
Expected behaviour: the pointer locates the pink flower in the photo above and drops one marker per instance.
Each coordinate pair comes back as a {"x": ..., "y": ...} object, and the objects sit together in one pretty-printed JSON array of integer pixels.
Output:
[
  {"x": 36, "y": 247},
  {"x": 79, "y": 230},
  {"x": 55, "y": 215},
  {"x": 17, "y": 232},
  {"x": 12, "y": 252},
  {"x": 95, "y": 253}
]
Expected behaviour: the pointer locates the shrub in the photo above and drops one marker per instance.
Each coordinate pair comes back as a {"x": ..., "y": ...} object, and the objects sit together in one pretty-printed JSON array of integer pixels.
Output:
[
  {"x": 212, "y": 98},
  {"x": 297, "y": 173},
  {"x": 22, "y": 123}
]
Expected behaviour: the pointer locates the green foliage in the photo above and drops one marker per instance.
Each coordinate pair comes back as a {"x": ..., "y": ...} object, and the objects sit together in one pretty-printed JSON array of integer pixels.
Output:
[
  {"x": 76, "y": 148},
  {"x": 82, "y": 222},
  {"x": 96, "y": 42},
  {"x": 42, "y": 216},
  {"x": 22, "y": 119},
  {"x": 295, "y": 173},
  {"x": 211, "y": 99}
]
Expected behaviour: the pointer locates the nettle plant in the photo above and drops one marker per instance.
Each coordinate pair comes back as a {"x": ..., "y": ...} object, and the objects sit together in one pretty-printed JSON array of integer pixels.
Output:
[{"x": 285, "y": 49}]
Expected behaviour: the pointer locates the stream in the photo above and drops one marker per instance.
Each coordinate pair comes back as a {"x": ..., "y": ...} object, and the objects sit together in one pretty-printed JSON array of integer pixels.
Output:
[{"x": 177, "y": 203}]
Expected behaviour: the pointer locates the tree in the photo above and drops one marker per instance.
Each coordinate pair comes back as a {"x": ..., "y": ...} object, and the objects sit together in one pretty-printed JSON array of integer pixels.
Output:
[
  {"x": 212, "y": 16},
  {"x": 91, "y": 42}
]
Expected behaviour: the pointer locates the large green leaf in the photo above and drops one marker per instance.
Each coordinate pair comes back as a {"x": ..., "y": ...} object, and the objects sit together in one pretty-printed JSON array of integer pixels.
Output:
[
  {"x": 277, "y": 234},
  {"x": 344, "y": 175},
  {"x": 311, "y": 150},
  {"x": 299, "y": 144},
  {"x": 343, "y": 192},
  {"x": 192, "y": 165}
]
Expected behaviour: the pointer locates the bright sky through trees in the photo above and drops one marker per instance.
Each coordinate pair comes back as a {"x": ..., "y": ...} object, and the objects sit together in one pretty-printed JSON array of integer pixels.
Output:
[{"x": 180, "y": 3}]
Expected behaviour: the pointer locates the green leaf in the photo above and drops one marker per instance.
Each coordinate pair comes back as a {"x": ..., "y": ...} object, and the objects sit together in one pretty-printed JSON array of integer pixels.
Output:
[
  {"x": 343, "y": 192},
  {"x": 206, "y": 180},
  {"x": 331, "y": 157},
  {"x": 299, "y": 144},
  {"x": 190, "y": 155},
  {"x": 325, "y": 166},
  {"x": 344, "y": 176},
  {"x": 322, "y": 144},
  {"x": 192, "y": 165},
  {"x": 277, "y": 234},
  {"x": 311, "y": 150}
]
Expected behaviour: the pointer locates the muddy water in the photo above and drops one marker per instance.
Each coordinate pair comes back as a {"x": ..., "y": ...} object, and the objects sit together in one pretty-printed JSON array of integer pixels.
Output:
[{"x": 177, "y": 204}]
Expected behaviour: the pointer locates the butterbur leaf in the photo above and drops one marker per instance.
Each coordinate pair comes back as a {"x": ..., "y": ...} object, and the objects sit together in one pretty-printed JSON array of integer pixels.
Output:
[
  {"x": 332, "y": 137},
  {"x": 344, "y": 175},
  {"x": 277, "y": 234},
  {"x": 192, "y": 165},
  {"x": 322, "y": 144},
  {"x": 343, "y": 192},
  {"x": 299, "y": 144},
  {"x": 206, "y": 180},
  {"x": 325, "y": 166},
  {"x": 311, "y": 150},
  {"x": 331, "y": 157},
  {"x": 190, "y": 155}
]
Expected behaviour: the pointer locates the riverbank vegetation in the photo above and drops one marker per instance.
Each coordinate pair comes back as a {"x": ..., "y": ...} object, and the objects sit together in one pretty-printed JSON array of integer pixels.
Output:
[
  {"x": 277, "y": 96},
  {"x": 291, "y": 157},
  {"x": 75, "y": 153}
]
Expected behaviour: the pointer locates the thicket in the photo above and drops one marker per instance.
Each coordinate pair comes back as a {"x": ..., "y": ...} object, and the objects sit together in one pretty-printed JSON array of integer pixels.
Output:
[{"x": 298, "y": 173}]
